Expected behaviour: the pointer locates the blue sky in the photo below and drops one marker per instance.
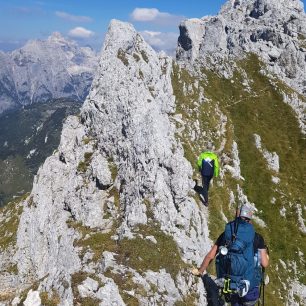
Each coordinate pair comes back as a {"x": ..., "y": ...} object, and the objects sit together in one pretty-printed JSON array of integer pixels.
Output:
[{"x": 86, "y": 21}]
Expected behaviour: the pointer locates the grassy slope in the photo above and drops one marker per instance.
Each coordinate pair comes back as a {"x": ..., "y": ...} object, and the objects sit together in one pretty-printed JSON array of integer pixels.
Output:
[
  {"x": 24, "y": 130},
  {"x": 261, "y": 111}
]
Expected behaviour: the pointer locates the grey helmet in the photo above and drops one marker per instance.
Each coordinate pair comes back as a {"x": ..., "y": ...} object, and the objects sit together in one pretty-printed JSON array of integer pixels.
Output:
[{"x": 247, "y": 211}]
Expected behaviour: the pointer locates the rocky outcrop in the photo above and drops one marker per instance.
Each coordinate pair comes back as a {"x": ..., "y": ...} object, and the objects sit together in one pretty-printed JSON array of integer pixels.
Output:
[
  {"x": 142, "y": 101},
  {"x": 125, "y": 125},
  {"x": 274, "y": 30},
  {"x": 45, "y": 70}
]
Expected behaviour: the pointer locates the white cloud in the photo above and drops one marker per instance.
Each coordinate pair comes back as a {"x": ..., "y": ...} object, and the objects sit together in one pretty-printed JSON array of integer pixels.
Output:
[
  {"x": 161, "y": 41},
  {"x": 145, "y": 14},
  {"x": 80, "y": 32},
  {"x": 73, "y": 18},
  {"x": 155, "y": 16}
]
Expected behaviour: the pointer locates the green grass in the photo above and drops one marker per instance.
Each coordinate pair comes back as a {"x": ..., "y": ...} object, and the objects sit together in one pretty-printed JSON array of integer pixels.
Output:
[
  {"x": 24, "y": 293},
  {"x": 142, "y": 254},
  {"x": 122, "y": 56},
  {"x": 136, "y": 57},
  {"x": 9, "y": 224},
  {"x": 24, "y": 130},
  {"x": 113, "y": 168},
  {"x": 84, "y": 164},
  {"x": 144, "y": 56},
  {"x": 98, "y": 243},
  {"x": 77, "y": 279},
  {"x": 125, "y": 283},
  {"x": 261, "y": 111},
  {"x": 14, "y": 178},
  {"x": 86, "y": 140},
  {"x": 48, "y": 299},
  {"x": 192, "y": 109},
  {"x": 268, "y": 116},
  {"x": 188, "y": 300},
  {"x": 138, "y": 253}
]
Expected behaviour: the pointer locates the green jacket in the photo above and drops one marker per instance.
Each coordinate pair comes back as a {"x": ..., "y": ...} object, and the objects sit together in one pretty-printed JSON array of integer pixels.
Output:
[{"x": 212, "y": 156}]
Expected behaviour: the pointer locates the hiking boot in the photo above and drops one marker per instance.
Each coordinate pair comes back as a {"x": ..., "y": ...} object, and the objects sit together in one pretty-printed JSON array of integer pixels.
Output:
[{"x": 202, "y": 198}]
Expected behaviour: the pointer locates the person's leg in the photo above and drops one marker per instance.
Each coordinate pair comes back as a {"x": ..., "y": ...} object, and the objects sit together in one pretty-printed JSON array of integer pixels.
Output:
[
  {"x": 205, "y": 184},
  {"x": 251, "y": 298},
  {"x": 212, "y": 290},
  {"x": 235, "y": 300}
]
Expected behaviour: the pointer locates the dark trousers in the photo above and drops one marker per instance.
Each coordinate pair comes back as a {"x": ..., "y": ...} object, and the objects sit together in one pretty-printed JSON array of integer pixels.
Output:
[
  {"x": 212, "y": 290},
  {"x": 205, "y": 183},
  {"x": 248, "y": 300}
]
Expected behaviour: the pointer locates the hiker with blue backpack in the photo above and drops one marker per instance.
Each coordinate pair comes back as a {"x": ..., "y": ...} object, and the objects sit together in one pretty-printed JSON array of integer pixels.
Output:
[
  {"x": 208, "y": 165},
  {"x": 241, "y": 256}
]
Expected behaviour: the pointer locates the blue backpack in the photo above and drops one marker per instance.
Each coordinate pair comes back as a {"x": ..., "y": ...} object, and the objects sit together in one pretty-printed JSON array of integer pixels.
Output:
[
  {"x": 208, "y": 166},
  {"x": 236, "y": 266}
]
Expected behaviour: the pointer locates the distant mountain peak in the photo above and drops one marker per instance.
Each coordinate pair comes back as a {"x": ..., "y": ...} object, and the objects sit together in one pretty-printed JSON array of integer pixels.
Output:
[
  {"x": 45, "y": 69},
  {"x": 57, "y": 37}
]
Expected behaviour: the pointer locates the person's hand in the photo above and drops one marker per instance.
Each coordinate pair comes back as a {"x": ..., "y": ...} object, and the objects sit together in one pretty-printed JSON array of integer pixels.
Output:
[{"x": 196, "y": 272}]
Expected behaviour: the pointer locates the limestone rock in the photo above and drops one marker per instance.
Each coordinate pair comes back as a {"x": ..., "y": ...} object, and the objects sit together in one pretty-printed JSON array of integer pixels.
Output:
[
  {"x": 124, "y": 140},
  {"x": 32, "y": 299},
  {"x": 274, "y": 30}
]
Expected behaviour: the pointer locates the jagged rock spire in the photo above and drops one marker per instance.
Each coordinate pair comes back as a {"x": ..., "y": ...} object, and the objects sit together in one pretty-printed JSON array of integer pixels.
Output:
[
  {"x": 274, "y": 30},
  {"x": 125, "y": 124}
]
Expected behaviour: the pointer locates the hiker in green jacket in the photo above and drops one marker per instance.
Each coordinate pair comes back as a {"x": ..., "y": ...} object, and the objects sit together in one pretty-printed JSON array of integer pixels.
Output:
[{"x": 208, "y": 165}]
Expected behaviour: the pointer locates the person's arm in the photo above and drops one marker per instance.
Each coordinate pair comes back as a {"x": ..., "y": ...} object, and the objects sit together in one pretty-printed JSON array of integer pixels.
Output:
[
  {"x": 264, "y": 258},
  {"x": 216, "y": 170},
  {"x": 208, "y": 258},
  {"x": 262, "y": 248},
  {"x": 199, "y": 162}
]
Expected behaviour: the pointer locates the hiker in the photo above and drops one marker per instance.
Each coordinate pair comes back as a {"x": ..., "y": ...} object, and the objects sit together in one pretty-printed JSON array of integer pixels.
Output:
[
  {"x": 208, "y": 165},
  {"x": 238, "y": 289}
]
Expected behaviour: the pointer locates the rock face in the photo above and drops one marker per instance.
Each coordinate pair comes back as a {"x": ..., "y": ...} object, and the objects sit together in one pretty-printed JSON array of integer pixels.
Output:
[
  {"x": 44, "y": 70},
  {"x": 153, "y": 176},
  {"x": 142, "y": 100},
  {"x": 113, "y": 217},
  {"x": 275, "y": 30}
]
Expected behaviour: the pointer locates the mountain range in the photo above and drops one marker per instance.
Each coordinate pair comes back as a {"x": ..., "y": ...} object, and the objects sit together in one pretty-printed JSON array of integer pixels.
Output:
[
  {"x": 43, "y": 70},
  {"x": 113, "y": 217}
]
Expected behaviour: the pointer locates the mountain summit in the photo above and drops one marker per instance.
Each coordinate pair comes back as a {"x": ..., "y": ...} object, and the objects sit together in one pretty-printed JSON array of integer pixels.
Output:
[
  {"x": 45, "y": 70},
  {"x": 274, "y": 30},
  {"x": 113, "y": 217}
]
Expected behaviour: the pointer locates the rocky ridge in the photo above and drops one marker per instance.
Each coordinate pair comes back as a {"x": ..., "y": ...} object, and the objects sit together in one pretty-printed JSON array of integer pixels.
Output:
[
  {"x": 74, "y": 185},
  {"x": 113, "y": 218},
  {"x": 45, "y": 70},
  {"x": 274, "y": 30}
]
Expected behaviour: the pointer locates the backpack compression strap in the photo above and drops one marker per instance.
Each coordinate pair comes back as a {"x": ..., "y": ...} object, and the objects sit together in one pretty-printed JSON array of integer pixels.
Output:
[{"x": 227, "y": 280}]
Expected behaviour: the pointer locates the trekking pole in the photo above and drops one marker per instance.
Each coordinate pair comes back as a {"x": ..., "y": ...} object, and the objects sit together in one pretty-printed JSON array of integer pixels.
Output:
[
  {"x": 236, "y": 224},
  {"x": 263, "y": 286},
  {"x": 261, "y": 300},
  {"x": 260, "y": 291}
]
